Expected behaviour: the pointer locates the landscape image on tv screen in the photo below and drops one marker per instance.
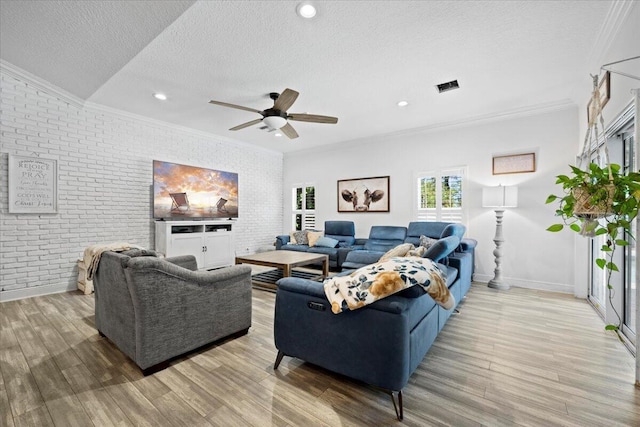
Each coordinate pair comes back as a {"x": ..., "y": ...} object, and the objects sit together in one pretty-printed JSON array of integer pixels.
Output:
[{"x": 184, "y": 192}]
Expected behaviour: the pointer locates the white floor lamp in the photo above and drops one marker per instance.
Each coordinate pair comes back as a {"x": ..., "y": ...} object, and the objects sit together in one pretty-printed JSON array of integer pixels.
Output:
[{"x": 499, "y": 198}]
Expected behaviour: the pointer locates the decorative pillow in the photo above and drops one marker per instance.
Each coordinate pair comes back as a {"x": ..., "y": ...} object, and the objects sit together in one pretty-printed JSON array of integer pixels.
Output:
[
  {"x": 326, "y": 242},
  {"x": 314, "y": 236},
  {"x": 419, "y": 251},
  {"x": 400, "y": 250},
  {"x": 300, "y": 237},
  {"x": 427, "y": 242}
]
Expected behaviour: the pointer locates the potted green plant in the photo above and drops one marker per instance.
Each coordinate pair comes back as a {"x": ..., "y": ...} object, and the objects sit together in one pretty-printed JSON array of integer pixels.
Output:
[{"x": 599, "y": 201}]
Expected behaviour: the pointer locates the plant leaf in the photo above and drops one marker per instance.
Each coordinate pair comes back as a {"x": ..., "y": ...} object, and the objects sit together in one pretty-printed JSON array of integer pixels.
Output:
[
  {"x": 575, "y": 227},
  {"x": 621, "y": 242},
  {"x": 601, "y": 231},
  {"x": 551, "y": 198},
  {"x": 555, "y": 227},
  {"x": 611, "y": 328},
  {"x": 600, "y": 262},
  {"x": 611, "y": 266}
]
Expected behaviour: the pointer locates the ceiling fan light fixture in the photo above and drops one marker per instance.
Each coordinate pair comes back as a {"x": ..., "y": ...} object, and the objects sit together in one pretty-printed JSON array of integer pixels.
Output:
[
  {"x": 306, "y": 10},
  {"x": 274, "y": 122},
  {"x": 160, "y": 96}
]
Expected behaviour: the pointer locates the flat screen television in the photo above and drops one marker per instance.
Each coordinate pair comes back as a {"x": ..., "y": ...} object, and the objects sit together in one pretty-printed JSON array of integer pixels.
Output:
[{"x": 190, "y": 192}]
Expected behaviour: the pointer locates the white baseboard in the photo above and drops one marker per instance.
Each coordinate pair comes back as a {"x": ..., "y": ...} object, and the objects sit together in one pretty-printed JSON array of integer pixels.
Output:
[
  {"x": 529, "y": 284},
  {"x": 35, "y": 291}
]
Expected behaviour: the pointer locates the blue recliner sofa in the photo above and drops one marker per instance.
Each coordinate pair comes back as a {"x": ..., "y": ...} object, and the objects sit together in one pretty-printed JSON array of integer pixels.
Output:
[
  {"x": 463, "y": 256},
  {"x": 438, "y": 229},
  {"x": 380, "y": 344},
  {"x": 367, "y": 251},
  {"x": 342, "y": 231},
  {"x": 383, "y": 238}
]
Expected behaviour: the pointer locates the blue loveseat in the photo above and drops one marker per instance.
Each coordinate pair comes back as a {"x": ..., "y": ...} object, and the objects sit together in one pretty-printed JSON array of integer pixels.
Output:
[
  {"x": 342, "y": 231},
  {"x": 380, "y": 344}
]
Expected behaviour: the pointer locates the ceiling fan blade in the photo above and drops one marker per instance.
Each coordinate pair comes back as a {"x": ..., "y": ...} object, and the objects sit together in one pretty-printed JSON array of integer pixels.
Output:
[
  {"x": 246, "y": 125},
  {"x": 289, "y": 131},
  {"x": 314, "y": 118},
  {"x": 286, "y": 100},
  {"x": 238, "y": 107}
]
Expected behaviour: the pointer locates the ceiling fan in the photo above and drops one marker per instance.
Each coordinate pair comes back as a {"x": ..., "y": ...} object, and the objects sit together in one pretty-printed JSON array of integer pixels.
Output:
[{"x": 277, "y": 117}]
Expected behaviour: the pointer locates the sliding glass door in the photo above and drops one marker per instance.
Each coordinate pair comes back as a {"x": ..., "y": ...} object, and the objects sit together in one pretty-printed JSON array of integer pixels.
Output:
[
  {"x": 630, "y": 282},
  {"x": 622, "y": 151}
]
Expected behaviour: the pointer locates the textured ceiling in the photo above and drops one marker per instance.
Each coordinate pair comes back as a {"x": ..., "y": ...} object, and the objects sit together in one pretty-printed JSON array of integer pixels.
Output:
[{"x": 355, "y": 60}]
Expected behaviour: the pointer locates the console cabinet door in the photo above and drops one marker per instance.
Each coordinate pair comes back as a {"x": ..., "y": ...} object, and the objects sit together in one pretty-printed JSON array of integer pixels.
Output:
[
  {"x": 187, "y": 244},
  {"x": 217, "y": 249}
]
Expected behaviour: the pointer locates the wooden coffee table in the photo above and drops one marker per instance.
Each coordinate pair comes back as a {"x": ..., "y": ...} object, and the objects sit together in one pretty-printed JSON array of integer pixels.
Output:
[{"x": 285, "y": 262}]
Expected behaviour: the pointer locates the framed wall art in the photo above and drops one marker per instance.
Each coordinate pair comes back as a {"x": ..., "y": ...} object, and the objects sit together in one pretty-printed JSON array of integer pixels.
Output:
[
  {"x": 33, "y": 185},
  {"x": 364, "y": 194},
  {"x": 516, "y": 163}
]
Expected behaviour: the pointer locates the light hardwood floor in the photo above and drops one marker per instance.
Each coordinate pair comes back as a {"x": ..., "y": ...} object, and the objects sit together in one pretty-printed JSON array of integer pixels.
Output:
[{"x": 516, "y": 357}]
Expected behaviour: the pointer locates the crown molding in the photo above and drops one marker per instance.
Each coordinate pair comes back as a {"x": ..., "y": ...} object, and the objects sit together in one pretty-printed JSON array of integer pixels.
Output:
[
  {"x": 532, "y": 110},
  {"x": 40, "y": 84},
  {"x": 611, "y": 25},
  {"x": 47, "y": 87}
]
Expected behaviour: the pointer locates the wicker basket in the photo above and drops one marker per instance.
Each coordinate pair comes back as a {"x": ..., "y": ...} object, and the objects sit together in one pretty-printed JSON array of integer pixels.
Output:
[{"x": 591, "y": 205}]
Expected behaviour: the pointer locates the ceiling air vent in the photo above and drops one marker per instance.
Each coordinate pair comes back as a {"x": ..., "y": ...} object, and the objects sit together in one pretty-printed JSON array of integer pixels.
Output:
[{"x": 444, "y": 87}]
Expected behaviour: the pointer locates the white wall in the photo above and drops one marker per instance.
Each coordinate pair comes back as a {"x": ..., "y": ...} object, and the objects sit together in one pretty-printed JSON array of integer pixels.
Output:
[
  {"x": 105, "y": 177},
  {"x": 532, "y": 257}
]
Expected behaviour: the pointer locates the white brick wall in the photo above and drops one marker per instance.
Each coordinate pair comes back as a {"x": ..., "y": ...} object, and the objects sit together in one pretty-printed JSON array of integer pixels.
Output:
[{"x": 104, "y": 183}]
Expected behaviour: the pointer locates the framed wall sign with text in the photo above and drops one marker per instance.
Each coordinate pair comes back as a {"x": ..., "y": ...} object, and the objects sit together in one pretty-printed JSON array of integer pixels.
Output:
[{"x": 33, "y": 185}]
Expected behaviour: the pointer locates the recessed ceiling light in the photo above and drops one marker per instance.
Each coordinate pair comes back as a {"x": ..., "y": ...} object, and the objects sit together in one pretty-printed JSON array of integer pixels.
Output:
[
  {"x": 160, "y": 96},
  {"x": 306, "y": 10},
  {"x": 402, "y": 103},
  {"x": 277, "y": 134}
]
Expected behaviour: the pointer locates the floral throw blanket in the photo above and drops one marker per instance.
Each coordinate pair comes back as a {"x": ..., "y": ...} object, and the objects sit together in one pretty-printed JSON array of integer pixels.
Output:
[{"x": 376, "y": 281}]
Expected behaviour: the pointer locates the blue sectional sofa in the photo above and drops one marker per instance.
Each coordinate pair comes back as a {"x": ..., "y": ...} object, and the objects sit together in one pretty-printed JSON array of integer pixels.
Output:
[
  {"x": 342, "y": 231},
  {"x": 352, "y": 252},
  {"x": 383, "y": 238},
  {"x": 380, "y": 344},
  {"x": 438, "y": 229}
]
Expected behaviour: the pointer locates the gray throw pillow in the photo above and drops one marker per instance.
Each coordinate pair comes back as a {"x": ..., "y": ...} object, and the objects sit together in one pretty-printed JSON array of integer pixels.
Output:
[
  {"x": 301, "y": 237},
  {"x": 427, "y": 242}
]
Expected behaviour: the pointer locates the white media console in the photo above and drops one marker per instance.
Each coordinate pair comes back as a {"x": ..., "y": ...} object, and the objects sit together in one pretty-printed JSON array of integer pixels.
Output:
[{"x": 211, "y": 242}]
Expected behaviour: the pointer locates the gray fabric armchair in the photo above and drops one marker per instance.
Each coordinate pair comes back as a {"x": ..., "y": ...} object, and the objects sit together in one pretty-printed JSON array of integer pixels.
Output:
[{"x": 155, "y": 309}]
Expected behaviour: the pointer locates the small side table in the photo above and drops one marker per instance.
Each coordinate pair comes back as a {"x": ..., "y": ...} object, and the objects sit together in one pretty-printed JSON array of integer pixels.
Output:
[{"x": 84, "y": 285}]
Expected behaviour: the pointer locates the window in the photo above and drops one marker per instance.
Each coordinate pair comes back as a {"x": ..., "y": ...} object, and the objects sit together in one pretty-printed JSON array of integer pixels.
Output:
[
  {"x": 304, "y": 206},
  {"x": 440, "y": 195}
]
